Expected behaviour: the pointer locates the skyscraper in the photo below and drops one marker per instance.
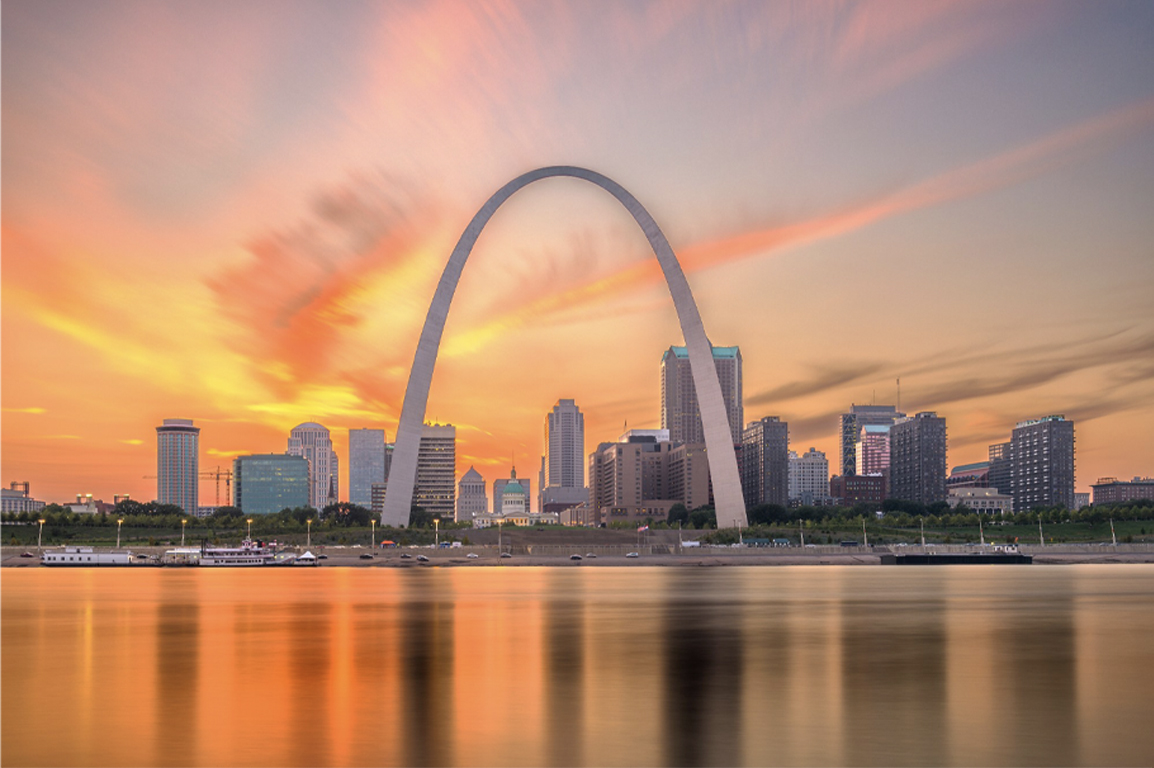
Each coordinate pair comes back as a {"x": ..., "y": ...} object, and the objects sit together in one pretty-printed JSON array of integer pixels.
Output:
[
  {"x": 1042, "y": 453},
  {"x": 850, "y": 430},
  {"x": 178, "y": 464},
  {"x": 563, "y": 465},
  {"x": 680, "y": 413},
  {"x": 471, "y": 498},
  {"x": 873, "y": 450},
  {"x": 765, "y": 462},
  {"x": 264, "y": 484},
  {"x": 918, "y": 458},
  {"x": 436, "y": 488},
  {"x": 312, "y": 441},
  {"x": 366, "y": 464}
]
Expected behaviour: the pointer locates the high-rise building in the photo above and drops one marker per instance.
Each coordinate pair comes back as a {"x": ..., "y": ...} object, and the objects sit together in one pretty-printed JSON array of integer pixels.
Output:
[
  {"x": 809, "y": 478},
  {"x": 562, "y": 479},
  {"x": 644, "y": 475},
  {"x": 918, "y": 458},
  {"x": 178, "y": 464},
  {"x": 680, "y": 413},
  {"x": 366, "y": 464},
  {"x": 436, "y": 488},
  {"x": 873, "y": 450},
  {"x": 1042, "y": 452},
  {"x": 312, "y": 441},
  {"x": 765, "y": 462},
  {"x": 266, "y": 483},
  {"x": 471, "y": 498},
  {"x": 850, "y": 425},
  {"x": 1001, "y": 471}
]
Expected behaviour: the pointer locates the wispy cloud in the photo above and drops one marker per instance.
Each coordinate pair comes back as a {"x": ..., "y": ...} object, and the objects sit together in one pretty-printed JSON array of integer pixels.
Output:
[{"x": 33, "y": 410}]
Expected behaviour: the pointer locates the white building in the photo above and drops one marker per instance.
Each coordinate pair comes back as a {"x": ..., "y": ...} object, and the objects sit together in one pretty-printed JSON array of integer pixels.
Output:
[
  {"x": 809, "y": 478},
  {"x": 982, "y": 500},
  {"x": 178, "y": 464},
  {"x": 18, "y": 499},
  {"x": 312, "y": 441}
]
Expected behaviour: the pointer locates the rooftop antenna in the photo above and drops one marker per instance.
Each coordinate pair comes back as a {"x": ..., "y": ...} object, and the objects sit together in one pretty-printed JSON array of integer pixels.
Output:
[{"x": 899, "y": 394}]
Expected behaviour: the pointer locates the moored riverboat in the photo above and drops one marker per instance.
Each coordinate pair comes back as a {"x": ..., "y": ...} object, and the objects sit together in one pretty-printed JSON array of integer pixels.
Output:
[
  {"x": 249, "y": 553},
  {"x": 85, "y": 557}
]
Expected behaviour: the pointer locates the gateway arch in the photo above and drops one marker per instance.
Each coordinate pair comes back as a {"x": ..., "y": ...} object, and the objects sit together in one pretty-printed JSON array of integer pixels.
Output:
[{"x": 727, "y": 495}]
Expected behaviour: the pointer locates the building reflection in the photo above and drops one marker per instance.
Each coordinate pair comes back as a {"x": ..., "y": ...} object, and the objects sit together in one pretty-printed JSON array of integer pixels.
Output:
[
  {"x": 177, "y": 674},
  {"x": 894, "y": 677},
  {"x": 564, "y": 671},
  {"x": 703, "y": 668},
  {"x": 426, "y": 671}
]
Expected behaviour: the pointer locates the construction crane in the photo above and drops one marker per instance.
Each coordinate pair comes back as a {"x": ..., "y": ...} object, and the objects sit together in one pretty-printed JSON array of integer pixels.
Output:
[{"x": 217, "y": 474}]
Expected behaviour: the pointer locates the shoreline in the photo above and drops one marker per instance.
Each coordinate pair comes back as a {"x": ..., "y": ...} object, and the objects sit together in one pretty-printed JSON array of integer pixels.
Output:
[{"x": 350, "y": 557}]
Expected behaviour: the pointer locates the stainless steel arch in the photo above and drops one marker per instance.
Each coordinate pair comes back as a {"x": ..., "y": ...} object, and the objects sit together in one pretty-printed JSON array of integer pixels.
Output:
[{"x": 727, "y": 494}]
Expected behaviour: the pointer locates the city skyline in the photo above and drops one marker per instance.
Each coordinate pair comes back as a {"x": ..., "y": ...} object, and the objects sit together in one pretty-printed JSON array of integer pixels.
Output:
[{"x": 205, "y": 217}]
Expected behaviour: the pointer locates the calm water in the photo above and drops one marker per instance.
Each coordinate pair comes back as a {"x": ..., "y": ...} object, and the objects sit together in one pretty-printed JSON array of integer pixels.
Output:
[{"x": 597, "y": 666}]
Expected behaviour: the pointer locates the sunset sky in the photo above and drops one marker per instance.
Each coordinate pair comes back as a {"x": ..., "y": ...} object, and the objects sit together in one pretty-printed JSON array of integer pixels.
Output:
[{"x": 237, "y": 213}]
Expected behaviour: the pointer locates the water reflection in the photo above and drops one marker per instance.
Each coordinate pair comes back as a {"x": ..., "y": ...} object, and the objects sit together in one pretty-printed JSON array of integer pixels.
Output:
[
  {"x": 730, "y": 666},
  {"x": 703, "y": 673}
]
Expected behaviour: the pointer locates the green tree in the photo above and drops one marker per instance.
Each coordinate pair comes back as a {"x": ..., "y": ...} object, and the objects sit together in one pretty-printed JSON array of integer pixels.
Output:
[{"x": 678, "y": 513}]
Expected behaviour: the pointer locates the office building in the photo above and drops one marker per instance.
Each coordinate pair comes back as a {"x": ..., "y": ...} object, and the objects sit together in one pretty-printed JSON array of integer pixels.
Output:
[
  {"x": 18, "y": 498},
  {"x": 680, "y": 413},
  {"x": 809, "y": 478},
  {"x": 849, "y": 429},
  {"x": 872, "y": 451},
  {"x": 918, "y": 458},
  {"x": 312, "y": 441},
  {"x": 1001, "y": 468},
  {"x": 178, "y": 464},
  {"x": 851, "y": 490},
  {"x": 564, "y": 446},
  {"x": 471, "y": 499},
  {"x": 1042, "y": 452},
  {"x": 975, "y": 475},
  {"x": 436, "y": 488},
  {"x": 642, "y": 477},
  {"x": 266, "y": 483},
  {"x": 1111, "y": 490},
  {"x": 765, "y": 462},
  {"x": 366, "y": 464}
]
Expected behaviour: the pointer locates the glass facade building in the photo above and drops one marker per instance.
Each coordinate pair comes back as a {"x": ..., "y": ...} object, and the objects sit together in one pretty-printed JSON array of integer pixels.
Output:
[{"x": 264, "y": 484}]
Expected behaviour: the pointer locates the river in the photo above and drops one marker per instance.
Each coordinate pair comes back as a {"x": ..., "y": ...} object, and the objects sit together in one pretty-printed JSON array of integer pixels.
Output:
[{"x": 799, "y": 665}]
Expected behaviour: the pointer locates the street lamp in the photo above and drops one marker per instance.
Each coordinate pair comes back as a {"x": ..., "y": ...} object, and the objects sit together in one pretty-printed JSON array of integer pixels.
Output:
[
  {"x": 309, "y": 534},
  {"x": 183, "y": 522},
  {"x": 249, "y": 521},
  {"x": 437, "y": 530},
  {"x": 373, "y": 522},
  {"x": 40, "y": 534},
  {"x": 499, "y": 522},
  {"x": 119, "y": 523}
]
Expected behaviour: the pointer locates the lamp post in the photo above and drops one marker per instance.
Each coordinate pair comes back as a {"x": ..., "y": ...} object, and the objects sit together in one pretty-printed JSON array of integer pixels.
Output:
[
  {"x": 40, "y": 535},
  {"x": 499, "y": 529},
  {"x": 437, "y": 530},
  {"x": 249, "y": 521},
  {"x": 183, "y": 522},
  {"x": 923, "y": 522},
  {"x": 309, "y": 534},
  {"x": 374, "y": 524},
  {"x": 119, "y": 523}
]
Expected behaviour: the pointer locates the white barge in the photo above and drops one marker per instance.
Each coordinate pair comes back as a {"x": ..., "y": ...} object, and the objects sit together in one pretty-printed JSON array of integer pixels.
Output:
[{"x": 85, "y": 557}]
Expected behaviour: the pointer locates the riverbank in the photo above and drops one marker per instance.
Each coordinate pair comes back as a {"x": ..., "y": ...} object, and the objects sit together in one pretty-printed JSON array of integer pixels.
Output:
[{"x": 598, "y": 556}]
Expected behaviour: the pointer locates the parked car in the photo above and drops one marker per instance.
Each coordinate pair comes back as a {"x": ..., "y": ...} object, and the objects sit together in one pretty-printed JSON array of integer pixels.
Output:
[
  {"x": 422, "y": 558},
  {"x": 407, "y": 556},
  {"x": 590, "y": 555},
  {"x": 505, "y": 554},
  {"x": 472, "y": 555},
  {"x": 633, "y": 554},
  {"x": 574, "y": 557},
  {"x": 366, "y": 556}
]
